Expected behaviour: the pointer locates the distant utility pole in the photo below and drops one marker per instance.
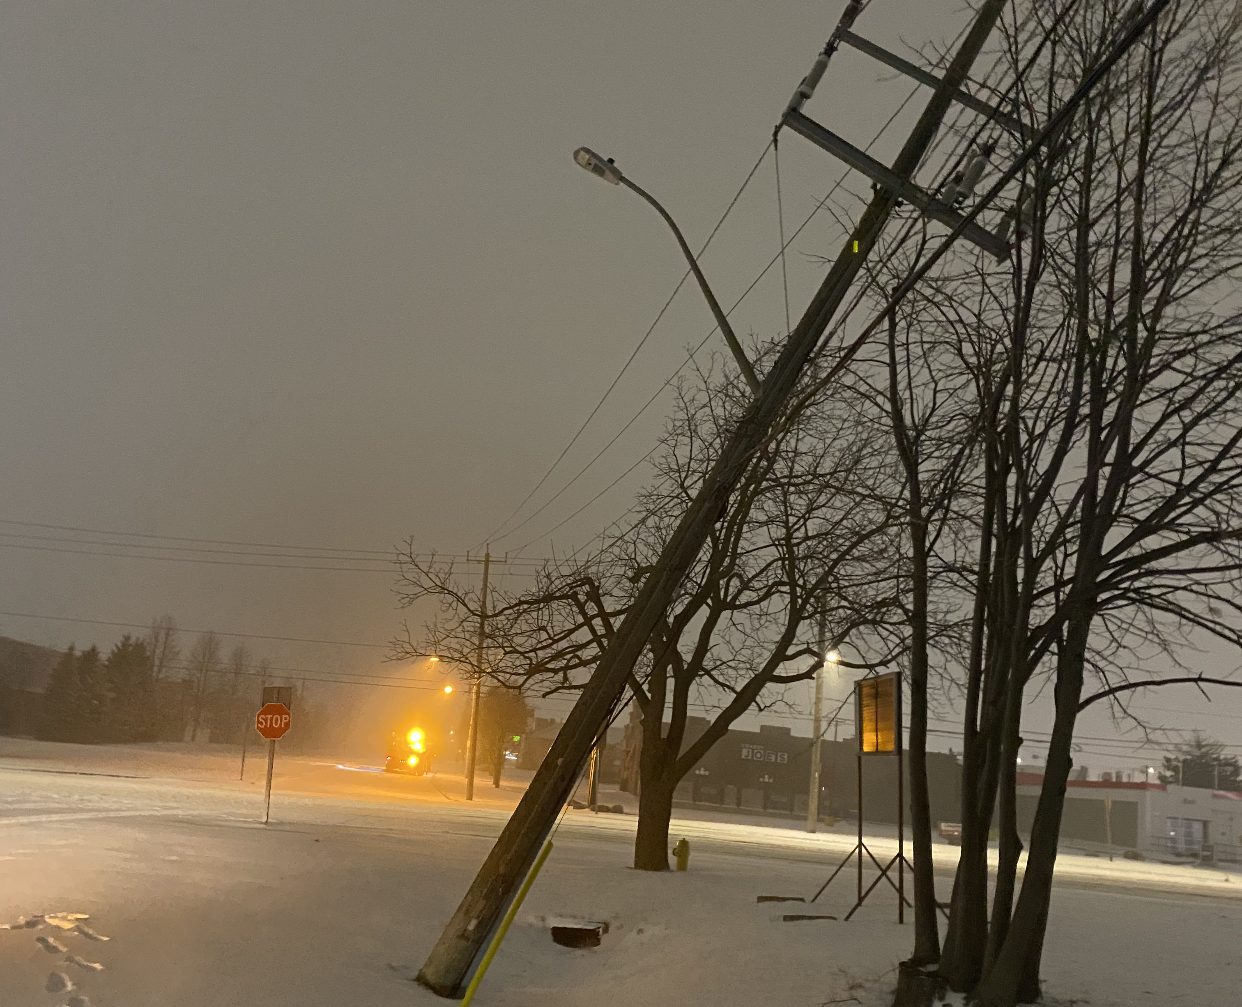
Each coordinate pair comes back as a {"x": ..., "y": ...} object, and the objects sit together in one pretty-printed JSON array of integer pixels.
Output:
[
  {"x": 476, "y": 693},
  {"x": 593, "y": 777},
  {"x": 452, "y": 959},
  {"x": 817, "y": 729}
]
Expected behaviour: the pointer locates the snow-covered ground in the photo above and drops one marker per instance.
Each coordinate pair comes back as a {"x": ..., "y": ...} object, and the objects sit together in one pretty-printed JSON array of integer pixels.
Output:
[{"x": 337, "y": 901}]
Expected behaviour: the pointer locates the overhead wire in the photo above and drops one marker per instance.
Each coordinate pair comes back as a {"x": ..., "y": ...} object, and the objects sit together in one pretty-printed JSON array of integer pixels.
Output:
[
  {"x": 629, "y": 360},
  {"x": 319, "y": 677},
  {"x": 152, "y": 550},
  {"x": 1137, "y": 27},
  {"x": 780, "y": 221},
  {"x": 193, "y": 559},
  {"x": 246, "y": 548},
  {"x": 199, "y": 549},
  {"x": 185, "y": 538},
  {"x": 961, "y": 113},
  {"x": 668, "y": 382},
  {"x": 182, "y": 629},
  {"x": 780, "y": 256}
]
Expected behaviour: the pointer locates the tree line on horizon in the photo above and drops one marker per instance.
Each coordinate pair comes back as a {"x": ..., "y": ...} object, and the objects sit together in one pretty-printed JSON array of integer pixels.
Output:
[{"x": 143, "y": 690}]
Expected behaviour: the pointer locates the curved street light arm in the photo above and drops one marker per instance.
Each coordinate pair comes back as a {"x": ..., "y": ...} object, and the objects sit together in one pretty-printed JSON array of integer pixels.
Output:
[{"x": 748, "y": 371}]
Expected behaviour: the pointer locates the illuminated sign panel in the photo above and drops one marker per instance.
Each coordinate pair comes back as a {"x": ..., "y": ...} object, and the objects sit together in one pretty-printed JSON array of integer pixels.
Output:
[{"x": 877, "y": 706}]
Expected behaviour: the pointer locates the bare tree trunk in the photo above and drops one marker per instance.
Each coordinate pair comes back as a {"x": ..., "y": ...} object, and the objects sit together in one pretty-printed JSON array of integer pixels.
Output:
[
  {"x": 962, "y": 962},
  {"x": 926, "y": 929},
  {"x": 1010, "y": 842},
  {"x": 967, "y": 928},
  {"x": 498, "y": 765},
  {"x": 1016, "y": 968},
  {"x": 655, "y": 810}
]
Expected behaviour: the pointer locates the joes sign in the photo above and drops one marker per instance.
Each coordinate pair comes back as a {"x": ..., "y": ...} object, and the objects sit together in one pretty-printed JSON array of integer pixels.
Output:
[{"x": 272, "y": 721}]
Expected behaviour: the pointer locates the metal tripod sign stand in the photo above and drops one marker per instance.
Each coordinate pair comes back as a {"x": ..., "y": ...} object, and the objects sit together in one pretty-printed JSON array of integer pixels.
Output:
[{"x": 877, "y": 711}]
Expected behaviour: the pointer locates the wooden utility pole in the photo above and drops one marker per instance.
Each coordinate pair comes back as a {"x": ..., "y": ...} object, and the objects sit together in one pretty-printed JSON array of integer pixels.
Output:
[
  {"x": 458, "y": 948},
  {"x": 817, "y": 730},
  {"x": 476, "y": 693}
]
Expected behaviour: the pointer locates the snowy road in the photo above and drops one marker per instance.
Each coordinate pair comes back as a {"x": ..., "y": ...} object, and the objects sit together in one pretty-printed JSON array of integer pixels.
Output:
[{"x": 338, "y": 899}]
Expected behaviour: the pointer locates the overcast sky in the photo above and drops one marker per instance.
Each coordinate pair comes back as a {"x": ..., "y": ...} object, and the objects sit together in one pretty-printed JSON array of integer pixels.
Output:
[{"x": 324, "y": 274}]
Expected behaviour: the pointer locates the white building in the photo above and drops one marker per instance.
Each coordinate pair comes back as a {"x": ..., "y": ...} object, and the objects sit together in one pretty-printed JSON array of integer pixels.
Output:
[{"x": 1153, "y": 819}]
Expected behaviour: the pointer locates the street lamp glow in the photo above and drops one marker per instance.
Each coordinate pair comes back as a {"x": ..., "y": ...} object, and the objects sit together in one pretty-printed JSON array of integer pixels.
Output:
[
  {"x": 433, "y": 659},
  {"x": 448, "y": 690},
  {"x": 596, "y": 165},
  {"x": 832, "y": 657}
]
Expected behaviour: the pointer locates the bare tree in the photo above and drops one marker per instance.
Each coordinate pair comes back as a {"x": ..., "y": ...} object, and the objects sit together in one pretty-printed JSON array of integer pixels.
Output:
[
  {"x": 808, "y": 536},
  {"x": 163, "y": 647},
  {"x": 203, "y": 662},
  {"x": 1098, "y": 515}
]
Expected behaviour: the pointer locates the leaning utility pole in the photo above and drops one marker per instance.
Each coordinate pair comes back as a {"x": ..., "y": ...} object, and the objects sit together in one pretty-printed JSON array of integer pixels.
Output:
[
  {"x": 450, "y": 961},
  {"x": 476, "y": 693}
]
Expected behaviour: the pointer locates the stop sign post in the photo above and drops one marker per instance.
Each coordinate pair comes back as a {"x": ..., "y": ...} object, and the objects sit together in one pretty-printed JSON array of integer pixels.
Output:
[{"x": 272, "y": 722}]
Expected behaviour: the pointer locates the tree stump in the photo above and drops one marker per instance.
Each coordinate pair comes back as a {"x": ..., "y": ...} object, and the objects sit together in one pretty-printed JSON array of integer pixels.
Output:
[{"x": 918, "y": 987}]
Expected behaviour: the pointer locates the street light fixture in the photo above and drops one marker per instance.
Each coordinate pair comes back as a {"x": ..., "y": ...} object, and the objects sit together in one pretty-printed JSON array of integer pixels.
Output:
[{"x": 604, "y": 168}]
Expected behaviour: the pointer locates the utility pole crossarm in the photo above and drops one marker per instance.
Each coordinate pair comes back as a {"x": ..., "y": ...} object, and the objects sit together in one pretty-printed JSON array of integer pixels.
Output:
[
  {"x": 869, "y": 48},
  {"x": 883, "y": 176}
]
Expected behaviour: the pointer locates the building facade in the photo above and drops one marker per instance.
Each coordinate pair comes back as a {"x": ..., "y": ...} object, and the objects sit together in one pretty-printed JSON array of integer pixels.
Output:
[
  {"x": 1152, "y": 820},
  {"x": 769, "y": 771}
]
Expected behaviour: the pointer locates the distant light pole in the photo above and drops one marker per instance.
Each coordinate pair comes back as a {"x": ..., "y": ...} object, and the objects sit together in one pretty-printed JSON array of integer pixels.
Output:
[
  {"x": 609, "y": 172},
  {"x": 817, "y": 730}
]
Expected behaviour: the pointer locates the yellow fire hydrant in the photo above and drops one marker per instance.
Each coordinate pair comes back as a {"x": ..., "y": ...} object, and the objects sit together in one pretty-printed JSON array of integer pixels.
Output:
[{"x": 681, "y": 853}]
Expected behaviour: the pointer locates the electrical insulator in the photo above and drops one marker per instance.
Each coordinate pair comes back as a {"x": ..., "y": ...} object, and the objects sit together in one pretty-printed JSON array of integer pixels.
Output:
[
  {"x": 810, "y": 81},
  {"x": 1023, "y": 213},
  {"x": 962, "y": 186},
  {"x": 1026, "y": 216}
]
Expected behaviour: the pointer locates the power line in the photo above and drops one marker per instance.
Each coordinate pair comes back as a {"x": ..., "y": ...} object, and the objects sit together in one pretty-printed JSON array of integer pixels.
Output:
[
  {"x": 310, "y": 675},
  {"x": 565, "y": 521},
  {"x": 495, "y": 535},
  {"x": 180, "y": 629},
  {"x": 185, "y": 538},
  {"x": 394, "y": 563},
  {"x": 193, "y": 559},
  {"x": 391, "y": 558},
  {"x": 778, "y": 257},
  {"x": 348, "y": 555}
]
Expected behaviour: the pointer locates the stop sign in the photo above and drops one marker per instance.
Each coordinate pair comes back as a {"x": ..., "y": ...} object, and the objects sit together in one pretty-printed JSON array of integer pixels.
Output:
[{"x": 272, "y": 721}]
